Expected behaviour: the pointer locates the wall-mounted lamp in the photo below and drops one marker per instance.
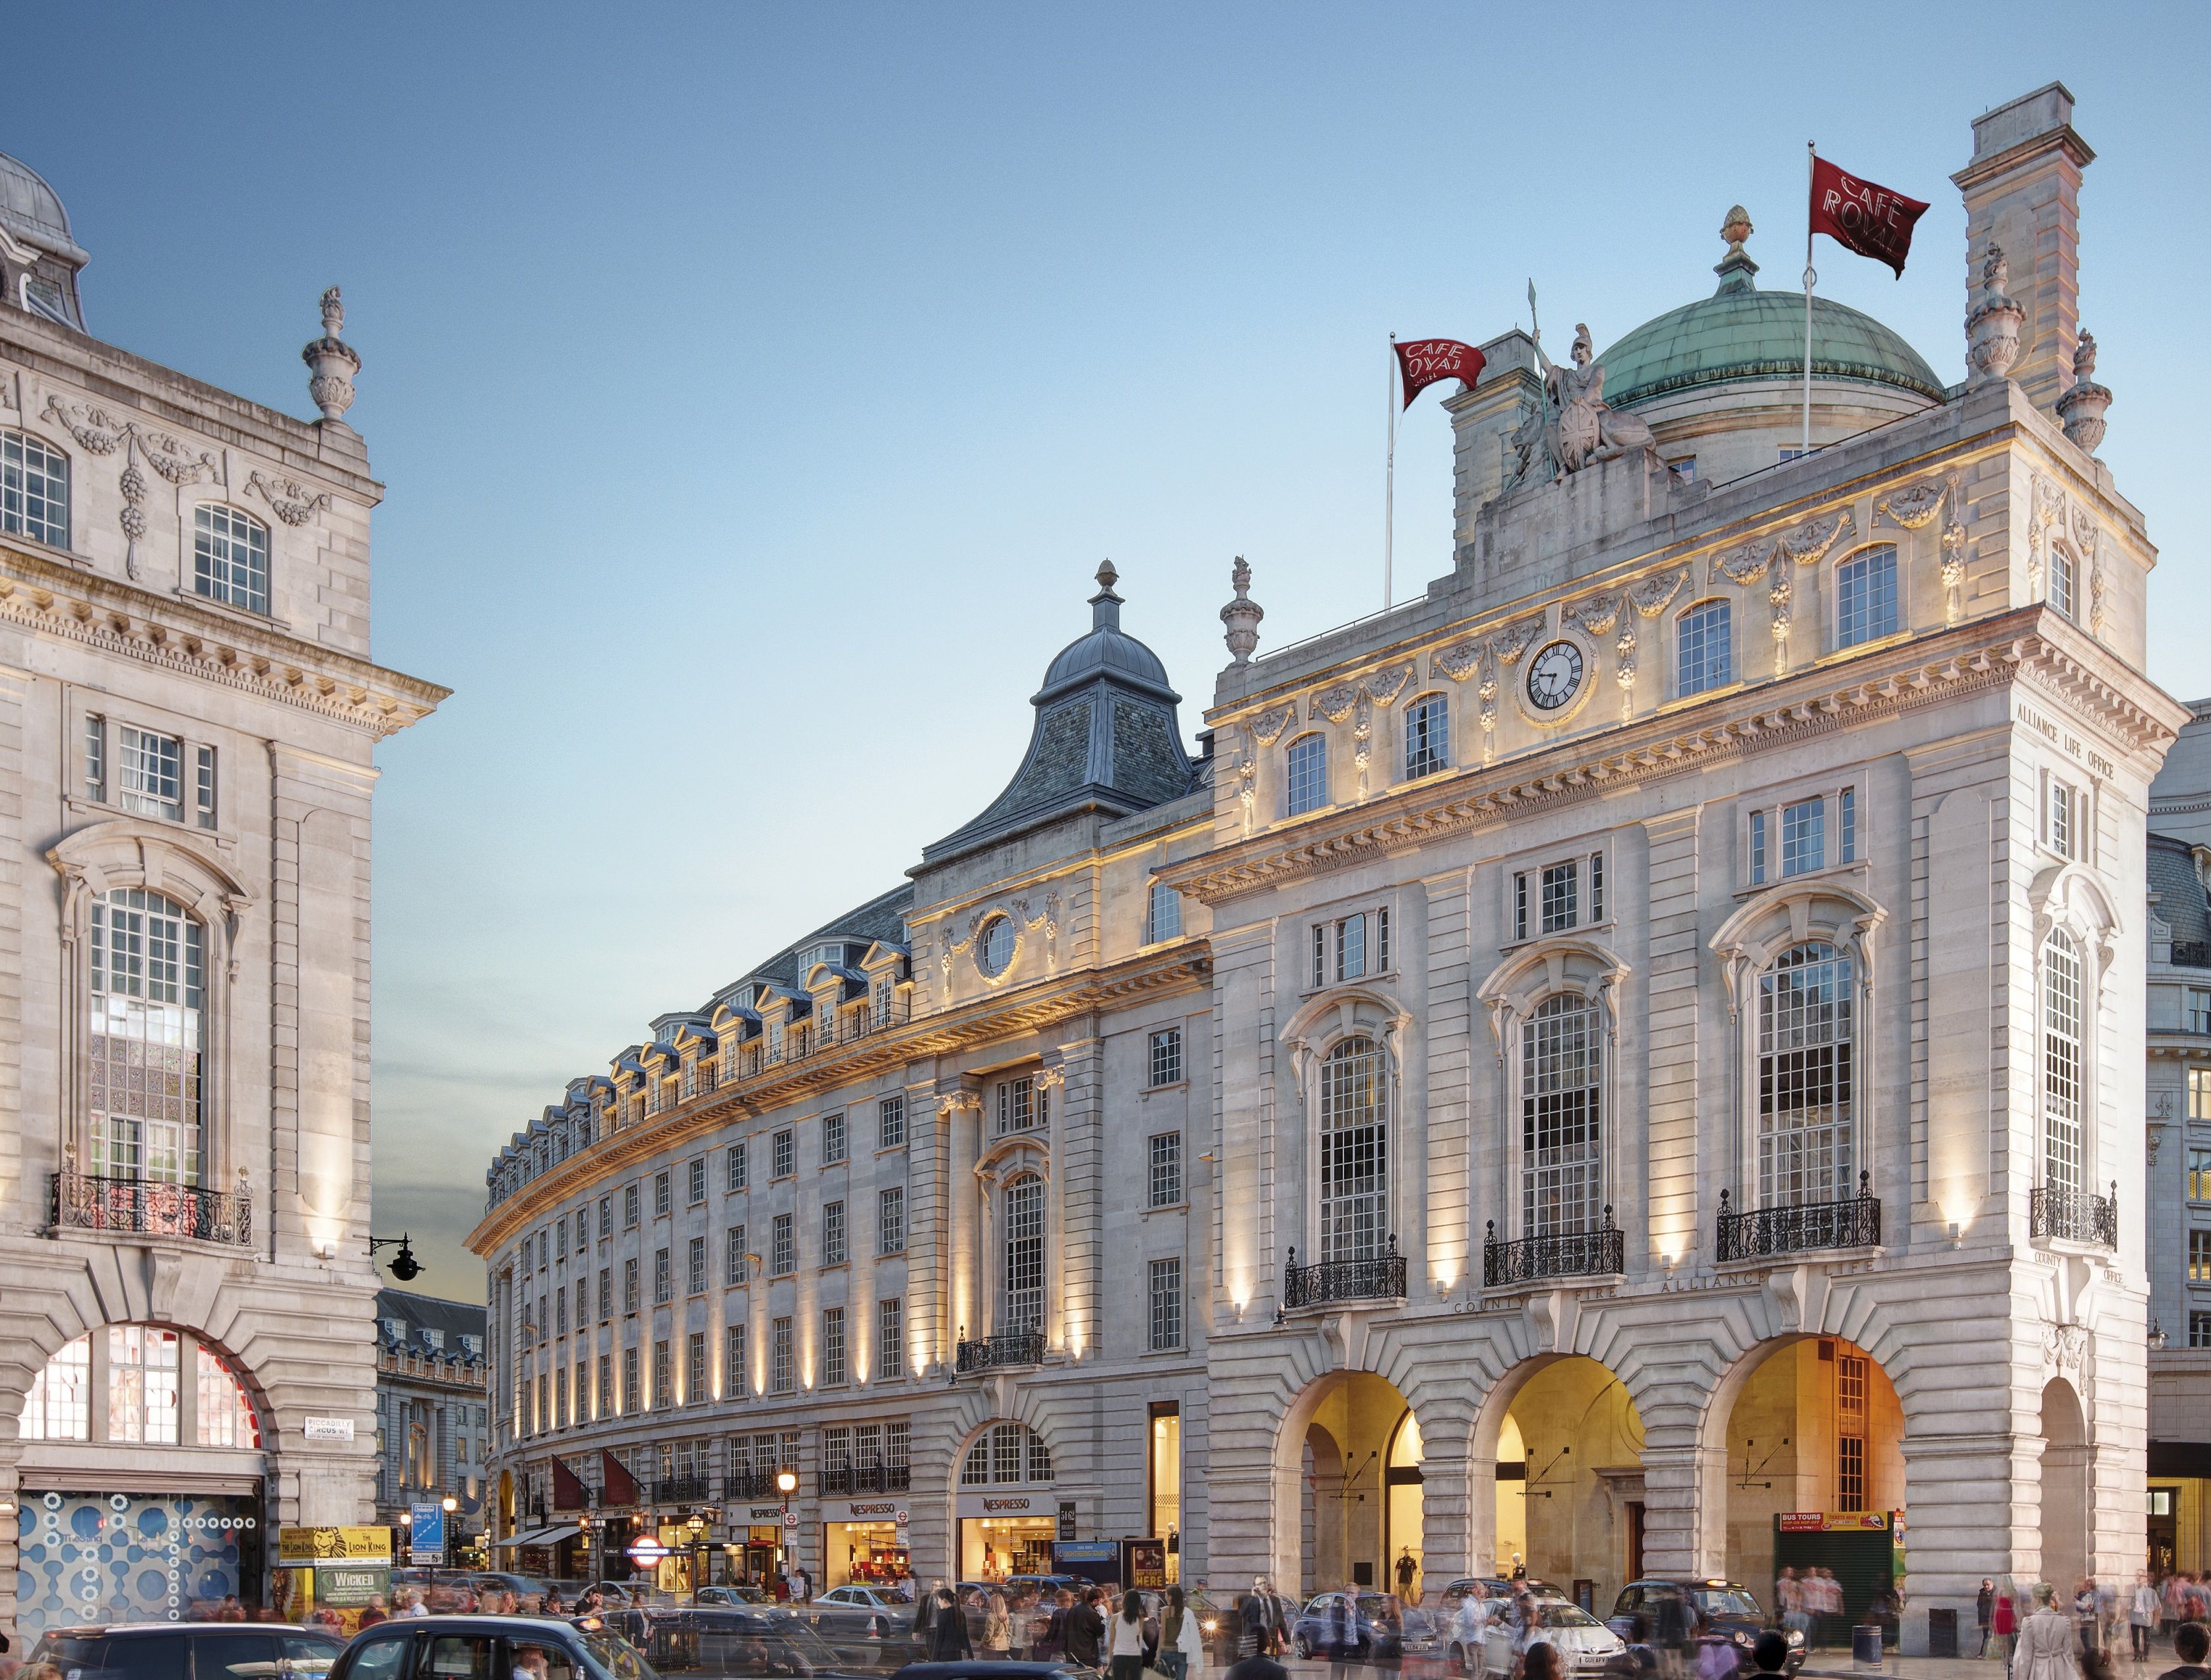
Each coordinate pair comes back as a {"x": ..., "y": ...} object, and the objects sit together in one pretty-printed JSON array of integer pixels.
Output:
[
  {"x": 2156, "y": 1337},
  {"x": 404, "y": 1266},
  {"x": 326, "y": 1250},
  {"x": 1957, "y": 1235}
]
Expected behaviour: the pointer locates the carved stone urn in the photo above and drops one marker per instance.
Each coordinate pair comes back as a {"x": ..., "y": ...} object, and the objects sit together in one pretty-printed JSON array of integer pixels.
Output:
[
  {"x": 1992, "y": 329},
  {"x": 331, "y": 363},
  {"x": 1242, "y": 616},
  {"x": 2081, "y": 408}
]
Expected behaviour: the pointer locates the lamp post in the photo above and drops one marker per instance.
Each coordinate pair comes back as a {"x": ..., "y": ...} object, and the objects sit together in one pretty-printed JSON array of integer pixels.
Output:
[
  {"x": 451, "y": 1504},
  {"x": 785, "y": 1483}
]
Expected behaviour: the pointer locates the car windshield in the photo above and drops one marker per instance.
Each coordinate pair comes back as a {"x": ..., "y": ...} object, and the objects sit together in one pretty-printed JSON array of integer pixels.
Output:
[
  {"x": 1726, "y": 1601},
  {"x": 617, "y": 1656},
  {"x": 729, "y": 1644},
  {"x": 1564, "y": 1613}
]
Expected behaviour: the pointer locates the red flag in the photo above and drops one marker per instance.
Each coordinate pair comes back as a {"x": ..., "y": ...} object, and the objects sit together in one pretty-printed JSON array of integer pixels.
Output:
[
  {"x": 620, "y": 1485},
  {"x": 1862, "y": 217},
  {"x": 1422, "y": 362},
  {"x": 568, "y": 1493}
]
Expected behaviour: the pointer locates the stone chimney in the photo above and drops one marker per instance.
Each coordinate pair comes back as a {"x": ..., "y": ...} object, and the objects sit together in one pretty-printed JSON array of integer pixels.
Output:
[{"x": 2022, "y": 192}]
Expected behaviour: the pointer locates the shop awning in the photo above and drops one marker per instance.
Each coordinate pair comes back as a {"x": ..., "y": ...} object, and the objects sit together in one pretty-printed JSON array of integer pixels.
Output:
[{"x": 542, "y": 1537}]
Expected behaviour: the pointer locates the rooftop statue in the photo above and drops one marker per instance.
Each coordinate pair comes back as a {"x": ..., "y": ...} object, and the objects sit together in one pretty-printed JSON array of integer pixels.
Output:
[{"x": 1579, "y": 426}]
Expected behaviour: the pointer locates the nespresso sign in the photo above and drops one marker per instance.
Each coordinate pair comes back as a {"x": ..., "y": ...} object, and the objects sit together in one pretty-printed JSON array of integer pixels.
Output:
[{"x": 1007, "y": 1505}]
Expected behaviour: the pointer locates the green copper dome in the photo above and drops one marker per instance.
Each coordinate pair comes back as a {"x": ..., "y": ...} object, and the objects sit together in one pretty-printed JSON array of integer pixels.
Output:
[{"x": 1742, "y": 333}]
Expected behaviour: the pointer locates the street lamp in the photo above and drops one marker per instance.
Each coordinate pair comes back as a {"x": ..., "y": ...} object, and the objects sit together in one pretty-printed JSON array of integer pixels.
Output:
[
  {"x": 451, "y": 1504},
  {"x": 785, "y": 1483}
]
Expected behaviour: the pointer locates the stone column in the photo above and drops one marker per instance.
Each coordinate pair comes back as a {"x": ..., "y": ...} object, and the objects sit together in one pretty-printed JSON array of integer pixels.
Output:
[
  {"x": 1081, "y": 1166},
  {"x": 1675, "y": 966},
  {"x": 1449, "y": 1479},
  {"x": 1963, "y": 1493},
  {"x": 963, "y": 1112},
  {"x": 1684, "y": 1533}
]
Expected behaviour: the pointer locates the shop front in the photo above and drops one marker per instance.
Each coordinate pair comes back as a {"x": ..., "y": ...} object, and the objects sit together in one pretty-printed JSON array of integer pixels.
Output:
[
  {"x": 755, "y": 1546},
  {"x": 1003, "y": 1534},
  {"x": 337, "y": 1571},
  {"x": 105, "y": 1557},
  {"x": 864, "y": 1540}
]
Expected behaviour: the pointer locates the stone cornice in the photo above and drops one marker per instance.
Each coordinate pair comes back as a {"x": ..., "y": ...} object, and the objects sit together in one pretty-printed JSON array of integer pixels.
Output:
[
  {"x": 173, "y": 633},
  {"x": 2029, "y": 639},
  {"x": 1177, "y": 968}
]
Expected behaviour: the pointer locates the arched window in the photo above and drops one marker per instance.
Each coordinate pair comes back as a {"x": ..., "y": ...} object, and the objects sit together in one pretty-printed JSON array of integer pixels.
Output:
[
  {"x": 2060, "y": 577},
  {"x": 34, "y": 490},
  {"x": 147, "y": 1044},
  {"x": 1006, "y": 1453},
  {"x": 1806, "y": 1104},
  {"x": 230, "y": 557},
  {"x": 1024, "y": 1278},
  {"x": 1304, "y": 770},
  {"x": 2064, "y": 1166},
  {"x": 1427, "y": 736},
  {"x": 1705, "y": 647},
  {"x": 1865, "y": 596},
  {"x": 1561, "y": 1171},
  {"x": 1354, "y": 1158},
  {"x": 126, "y": 1384}
]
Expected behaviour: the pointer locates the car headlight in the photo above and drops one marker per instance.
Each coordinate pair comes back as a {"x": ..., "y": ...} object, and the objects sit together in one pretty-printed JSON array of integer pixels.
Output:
[
  {"x": 1796, "y": 1635},
  {"x": 1210, "y": 1627}
]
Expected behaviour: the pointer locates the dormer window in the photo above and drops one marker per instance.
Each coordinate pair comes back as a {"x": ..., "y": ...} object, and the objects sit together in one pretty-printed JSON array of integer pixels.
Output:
[
  {"x": 43, "y": 298},
  {"x": 435, "y": 1339}
]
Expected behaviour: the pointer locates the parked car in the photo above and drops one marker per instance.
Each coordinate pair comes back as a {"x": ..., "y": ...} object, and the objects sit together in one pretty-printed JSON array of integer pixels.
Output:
[
  {"x": 874, "y": 1612},
  {"x": 629, "y": 1594},
  {"x": 734, "y": 1595},
  {"x": 756, "y": 1642},
  {"x": 1367, "y": 1625},
  {"x": 487, "y": 1645},
  {"x": 1586, "y": 1646},
  {"x": 1731, "y": 1609},
  {"x": 188, "y": 1650},
  {"x": 527, "y": 1590}
]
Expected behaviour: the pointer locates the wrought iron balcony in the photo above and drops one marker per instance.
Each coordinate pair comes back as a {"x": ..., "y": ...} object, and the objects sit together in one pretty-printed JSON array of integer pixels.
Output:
[
  {"x": 1801, "y": 1227},
  {"x": 1011, "y": 1347},
  {"x": 750, "y": 1485},
  {"x": 151, "y": 1207},
  {"x": 2073, "y": 1216},
  {"x": 1376, "y": 1277},
  {"x": 679, "y": 1490},
  {"x": 866, "y": 1479},
  {"x": 1598, "y": 1254},
  {"x": 2192, "y": 953}
]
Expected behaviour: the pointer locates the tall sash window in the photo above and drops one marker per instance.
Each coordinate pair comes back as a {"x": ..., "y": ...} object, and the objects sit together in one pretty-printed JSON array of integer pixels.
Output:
[
  {"x": 1807, "y": 1103},
  {"x": 1354, "y": 1158},
  {"x": 1024, "y": 1292},
  {"x": 147, "y": 1039},
  {"x": 1561, "y": 1173},
  {"x": 2063, "y": 1163}
]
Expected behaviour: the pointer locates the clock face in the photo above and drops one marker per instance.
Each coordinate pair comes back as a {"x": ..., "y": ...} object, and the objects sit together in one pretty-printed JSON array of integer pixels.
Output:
[{"x": 1555, "y": 676}]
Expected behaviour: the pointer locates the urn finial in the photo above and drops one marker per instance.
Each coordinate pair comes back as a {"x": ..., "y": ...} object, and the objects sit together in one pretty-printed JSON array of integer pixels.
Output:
[
  {"x": 2081, "y": 409},
  {"x": 1242, "y": 615},
  {"x": 330, "y": 361},
  {"x": 1992, "y": 329}
]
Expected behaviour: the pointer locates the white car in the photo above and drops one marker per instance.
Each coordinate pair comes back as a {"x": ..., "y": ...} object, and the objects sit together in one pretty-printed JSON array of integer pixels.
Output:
[
  {"x": 874, "y": 1612},
  {"x": 1584, "y": 1643}
]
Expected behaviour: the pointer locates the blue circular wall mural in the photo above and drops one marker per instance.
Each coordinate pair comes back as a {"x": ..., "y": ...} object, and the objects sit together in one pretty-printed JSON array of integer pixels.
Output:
[{"x": 126, "y": 1557}]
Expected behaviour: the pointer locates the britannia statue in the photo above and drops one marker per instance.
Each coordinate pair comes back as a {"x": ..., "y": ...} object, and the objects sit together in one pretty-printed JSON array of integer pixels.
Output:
[{"x": 1579, "y": 426}]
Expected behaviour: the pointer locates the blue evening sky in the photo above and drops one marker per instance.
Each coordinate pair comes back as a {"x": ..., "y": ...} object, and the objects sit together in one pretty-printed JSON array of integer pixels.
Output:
[{"x": 758, "y": 388}]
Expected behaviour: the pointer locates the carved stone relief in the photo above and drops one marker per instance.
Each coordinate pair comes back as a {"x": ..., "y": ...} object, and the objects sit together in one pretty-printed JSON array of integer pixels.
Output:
[
  {"x": 1746, "y": 563},
  {"x": 1269, "y": 725},
  {"x": 289, "y": 500},
  {"x": 100, "y": 433}
]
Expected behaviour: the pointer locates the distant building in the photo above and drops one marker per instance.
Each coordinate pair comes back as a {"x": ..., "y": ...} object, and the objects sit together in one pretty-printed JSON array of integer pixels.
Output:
[
  {"x": 432, "y": 1418},
  {"x": 2177, "y": 1203},
  {"x": 189, "y": 715}
]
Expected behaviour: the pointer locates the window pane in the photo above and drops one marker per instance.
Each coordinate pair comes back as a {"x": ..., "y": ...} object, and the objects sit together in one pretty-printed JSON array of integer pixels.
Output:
[
  {"x": 1803, "y": 837},
  {"x": 1354, "y": 1152},
  {"x": 1561, "y": 1179},
  {"x": 230, "y": 558},
  {"x": 1024, "y": 1254},
  {"x": 1807, "y": 1142},
  {"x": 2062, "y": 1155},
  {"x": 1427, "y": 736},
  {"x": 1706, "y": 654},
  {"x": 34, "y": 490},
  {"x": 1865, "y": 596},
  {"x": 1305, "y": 768}
]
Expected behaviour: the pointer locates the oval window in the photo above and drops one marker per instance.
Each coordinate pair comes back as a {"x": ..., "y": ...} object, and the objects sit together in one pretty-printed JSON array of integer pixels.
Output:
[{"x": 994, "y": 946}]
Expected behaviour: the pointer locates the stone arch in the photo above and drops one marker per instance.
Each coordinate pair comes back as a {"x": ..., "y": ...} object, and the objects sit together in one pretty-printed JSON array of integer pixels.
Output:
[{"x": 2064, "y": 1514}]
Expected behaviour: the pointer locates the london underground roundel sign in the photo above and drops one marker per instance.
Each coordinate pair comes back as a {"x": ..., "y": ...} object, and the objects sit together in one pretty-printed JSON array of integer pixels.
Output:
[{"x": 647, "y": 1551}]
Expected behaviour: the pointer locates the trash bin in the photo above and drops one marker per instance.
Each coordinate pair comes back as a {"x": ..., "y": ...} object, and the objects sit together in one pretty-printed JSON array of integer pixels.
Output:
[
  {"x": 1865, "y": 1645},
  {"x": 1941, "y": 1632}
]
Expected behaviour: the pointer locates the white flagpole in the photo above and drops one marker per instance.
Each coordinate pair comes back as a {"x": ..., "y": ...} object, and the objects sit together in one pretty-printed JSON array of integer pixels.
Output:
[
  {"x": 1811, "y": 153},
  {"x": 1390, "y": 474}
]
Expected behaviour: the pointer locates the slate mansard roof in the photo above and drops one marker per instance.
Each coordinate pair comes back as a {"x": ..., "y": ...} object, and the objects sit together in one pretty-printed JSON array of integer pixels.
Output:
[
  {"x": 2181, "y": 903},
  {"x": 1107, "y": 738}
]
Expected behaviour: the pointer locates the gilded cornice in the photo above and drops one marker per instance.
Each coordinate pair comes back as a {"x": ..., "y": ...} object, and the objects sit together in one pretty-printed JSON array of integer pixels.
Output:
[
  {"x": 2029, "y": 640},
  {"x": 173, "y": 633},
  {"x": 1182, "y": 966}
]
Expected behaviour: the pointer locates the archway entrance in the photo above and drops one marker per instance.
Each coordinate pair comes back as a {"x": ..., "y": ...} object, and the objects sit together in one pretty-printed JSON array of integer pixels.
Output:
[
  {"x": 1814, "y": 1474},
  {"x": 2064, "y": 1486},
  {"x": 1359, "y": 1460},
  {"x": 1570, "y": 1482}
]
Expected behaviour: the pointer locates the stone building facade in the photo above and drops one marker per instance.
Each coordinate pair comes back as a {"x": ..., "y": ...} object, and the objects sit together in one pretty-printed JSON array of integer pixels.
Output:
[
  {"x": 1656, "y": 1087},
  {"x": 2177, "y": 1092},
  {"x": 188, "y": 716},
  {"x": 432, "y": 1407}
]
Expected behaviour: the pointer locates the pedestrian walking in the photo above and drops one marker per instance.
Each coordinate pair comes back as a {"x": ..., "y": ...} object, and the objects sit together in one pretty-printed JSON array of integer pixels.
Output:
[
  {"x": 1086, "y": 1629},
  {"x": 2004, "y": 1621},
  {"x": 1124, "y": 1644},
  {"x": 2047, "y": 1642},
  {"x": 997, "y": 1628},
  {"x": 947, "y": 1630},
  {"x": 1406, "y": 1570},
  {"x": 2141, "y": 1615},
  {"x": 1984, "y": 1610}
]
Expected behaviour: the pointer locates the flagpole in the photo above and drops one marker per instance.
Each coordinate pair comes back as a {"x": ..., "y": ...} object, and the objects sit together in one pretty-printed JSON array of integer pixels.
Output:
[
  {"x": 1389, "y": 473},
  {"x": 1811, "y": 173}
]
